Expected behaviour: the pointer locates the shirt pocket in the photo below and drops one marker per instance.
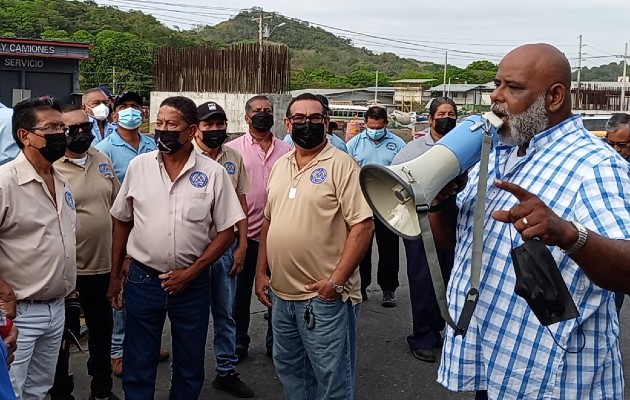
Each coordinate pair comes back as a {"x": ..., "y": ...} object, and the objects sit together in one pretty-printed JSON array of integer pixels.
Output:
[{"x": 198, "y": 207}]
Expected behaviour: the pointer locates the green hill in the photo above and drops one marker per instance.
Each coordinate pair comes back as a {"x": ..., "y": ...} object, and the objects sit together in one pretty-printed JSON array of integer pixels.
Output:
[{"x": 124, "y": 42}]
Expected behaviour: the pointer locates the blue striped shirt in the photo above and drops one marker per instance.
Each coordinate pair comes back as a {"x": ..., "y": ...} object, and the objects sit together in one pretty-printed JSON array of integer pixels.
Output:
[{"x": 506, "y": 350}]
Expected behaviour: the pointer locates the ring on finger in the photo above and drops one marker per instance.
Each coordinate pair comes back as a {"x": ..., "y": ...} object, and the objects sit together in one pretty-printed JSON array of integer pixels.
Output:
[{"x": 526, "y": 222}]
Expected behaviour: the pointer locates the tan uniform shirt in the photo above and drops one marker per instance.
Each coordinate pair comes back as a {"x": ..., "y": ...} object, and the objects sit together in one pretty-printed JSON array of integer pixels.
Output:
[
  {"x": 311, "y": 211},
  {"x": 37, "y": 239},
  {"x": 232, "y": 161},
  {"x": 95, "y": 187},
  {"x": 173, "y": 220}
]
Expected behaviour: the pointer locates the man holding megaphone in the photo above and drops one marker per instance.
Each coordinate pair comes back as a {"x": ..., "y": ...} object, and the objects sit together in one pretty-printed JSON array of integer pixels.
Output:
[{"x": 550, "y": 180}]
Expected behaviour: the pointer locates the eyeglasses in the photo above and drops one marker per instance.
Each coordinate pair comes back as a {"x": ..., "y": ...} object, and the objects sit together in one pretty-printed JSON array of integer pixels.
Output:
[
  {"x": 50, "y": 129},
  {"x": 618, "y": 144},
  {"x": 301, "y": 118},
  {"x": 74, "y": 130}
]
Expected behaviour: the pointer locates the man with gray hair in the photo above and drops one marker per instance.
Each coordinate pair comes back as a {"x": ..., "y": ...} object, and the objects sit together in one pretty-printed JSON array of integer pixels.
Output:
[
  {"x": 618, "y": 134},
  {"x": 96, "y": 104}
]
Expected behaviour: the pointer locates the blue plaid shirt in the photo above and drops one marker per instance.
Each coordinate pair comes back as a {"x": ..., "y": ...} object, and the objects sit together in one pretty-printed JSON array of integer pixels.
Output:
[{"x": 506, "y": 350}]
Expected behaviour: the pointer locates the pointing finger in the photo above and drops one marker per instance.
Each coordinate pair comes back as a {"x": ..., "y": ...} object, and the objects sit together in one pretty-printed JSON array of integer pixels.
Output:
[{"x": 520, "y": 193}]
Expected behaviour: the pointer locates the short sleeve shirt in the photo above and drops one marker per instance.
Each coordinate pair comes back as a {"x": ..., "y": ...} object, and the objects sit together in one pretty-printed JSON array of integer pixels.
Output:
[
  {"x": 121, "y": 152},
  {"x": 95, "y": 187},
  {"x": 414, "y": 149},
  {"x": 234, "y": 166},
  {"x": 37, "y": 238},
  {"x": 311, "y": 212},
  {"x": 258, "y": 165},
  {"x": 173, "y": 221},
  {"x": 366, "y": 151}
]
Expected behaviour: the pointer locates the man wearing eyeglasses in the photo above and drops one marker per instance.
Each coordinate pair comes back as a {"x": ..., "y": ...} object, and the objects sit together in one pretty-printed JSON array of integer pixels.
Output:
[
  {"x": 316, "y": 229},
  {"x": 618, "y": 137},
  {"x": 618, "y": 134},
  {"x": 37, "y": 242},
  {"x": 91, "y": 174}
]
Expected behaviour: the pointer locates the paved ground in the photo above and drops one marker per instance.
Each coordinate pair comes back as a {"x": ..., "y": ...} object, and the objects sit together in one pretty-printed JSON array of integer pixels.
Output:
[{"x": 386, "y": 369}]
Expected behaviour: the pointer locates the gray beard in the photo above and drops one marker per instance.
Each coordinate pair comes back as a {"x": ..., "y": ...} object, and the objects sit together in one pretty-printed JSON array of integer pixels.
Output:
[{"x": 524, "y": 126}]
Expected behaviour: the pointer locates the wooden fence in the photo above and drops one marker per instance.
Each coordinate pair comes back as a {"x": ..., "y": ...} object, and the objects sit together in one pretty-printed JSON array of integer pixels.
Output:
[{"x": 231, "y": 70}]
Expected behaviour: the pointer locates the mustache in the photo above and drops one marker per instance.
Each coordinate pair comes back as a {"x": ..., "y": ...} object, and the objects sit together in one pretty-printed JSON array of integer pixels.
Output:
[{"x": 499, "y": 109}]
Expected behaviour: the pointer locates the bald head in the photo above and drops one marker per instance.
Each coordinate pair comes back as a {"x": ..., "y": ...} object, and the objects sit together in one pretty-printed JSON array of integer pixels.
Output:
[{"x": 545, "y": 62}]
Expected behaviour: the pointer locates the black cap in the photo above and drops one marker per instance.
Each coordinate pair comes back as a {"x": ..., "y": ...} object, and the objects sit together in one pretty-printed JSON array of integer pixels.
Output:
[
  {"x": 208, "y": 109},
  {"x": 125, "y": 97},
  {"x": 324, "y": 101}
]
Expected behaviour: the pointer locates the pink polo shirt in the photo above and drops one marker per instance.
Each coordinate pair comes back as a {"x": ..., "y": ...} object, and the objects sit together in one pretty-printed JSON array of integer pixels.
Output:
[{"x": 258, "y": 166}]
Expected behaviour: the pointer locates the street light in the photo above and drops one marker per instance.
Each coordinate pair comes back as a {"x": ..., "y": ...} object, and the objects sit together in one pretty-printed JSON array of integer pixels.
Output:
[
  {"x": 448, "y": 88},
  {"x": 268, "y": 33}
]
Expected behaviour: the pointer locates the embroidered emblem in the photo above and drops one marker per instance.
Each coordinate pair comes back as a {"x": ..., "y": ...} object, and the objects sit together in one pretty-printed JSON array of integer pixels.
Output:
[
  {"x": 69, "y": 200},
  {"x": 198, "y": 179},
  {"x": 319, "y": 176},
  {"x": 391, "y": 146},
  {"x": 230, "y": 167},
  {"x": 103, "y": 168}
]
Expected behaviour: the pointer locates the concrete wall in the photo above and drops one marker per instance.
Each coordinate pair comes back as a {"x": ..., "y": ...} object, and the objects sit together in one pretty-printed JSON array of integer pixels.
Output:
[{"x": 232, "y": 103}]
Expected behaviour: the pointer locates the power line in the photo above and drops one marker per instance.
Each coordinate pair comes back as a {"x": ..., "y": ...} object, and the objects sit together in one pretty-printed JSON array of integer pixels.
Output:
[
  {"x": 191, "y": 6},
  {"x": 140, "y": 8}
]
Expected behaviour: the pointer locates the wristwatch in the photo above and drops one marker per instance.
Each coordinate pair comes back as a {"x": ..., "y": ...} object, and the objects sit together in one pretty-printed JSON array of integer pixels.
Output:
[
  {"x": 582, "y": 236},
  {"x": 336, "y": 288}
]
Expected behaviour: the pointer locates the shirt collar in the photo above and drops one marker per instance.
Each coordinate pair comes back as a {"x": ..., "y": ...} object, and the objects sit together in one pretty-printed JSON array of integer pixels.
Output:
[
  {"x": 26, "y": 173},
  {"x": 325, "y": 153},
  {"x": 190, "y": 163},
  {"x": 554, "y": 134},
  {"x": 90, "y": 153}
]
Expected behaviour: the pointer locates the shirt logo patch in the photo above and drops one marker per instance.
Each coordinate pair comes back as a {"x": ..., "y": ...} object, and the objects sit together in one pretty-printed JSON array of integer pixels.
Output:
[
  {"x": 103, "y": 168},
  {"x": 391, "y": 146},
  {"x": 230, "y": 167},
  {"x": 319, "y": 176},
  {"x": 69, "y": 200},
  {"x": 198, "y": 179}
]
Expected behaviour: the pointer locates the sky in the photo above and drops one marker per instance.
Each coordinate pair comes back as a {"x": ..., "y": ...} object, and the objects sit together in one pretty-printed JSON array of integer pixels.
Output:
[{"x": 468, "y": 30}]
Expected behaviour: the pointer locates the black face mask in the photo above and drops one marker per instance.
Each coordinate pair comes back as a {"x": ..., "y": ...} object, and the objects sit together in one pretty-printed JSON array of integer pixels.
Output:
[
  {"x": 262, "y": 121},
  {"x": 540, "y": 283},
  {"x": 308, "y": 135},
  {"x": 81, "y": 142},
  {"x": 55, "y": 148},
  {"x": 444, "y": 125},
  {"x": 168, "y": 141},
  {"x": 214, "y": 138}
]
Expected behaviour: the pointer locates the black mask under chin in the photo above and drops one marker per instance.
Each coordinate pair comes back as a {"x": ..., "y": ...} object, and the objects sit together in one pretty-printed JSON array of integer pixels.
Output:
[
  {"x": 444, "y": 125},
  {"x": 262, "y": 121},
  {"x": 540, "y": 283},
  {"x": 214, "y": 138}
]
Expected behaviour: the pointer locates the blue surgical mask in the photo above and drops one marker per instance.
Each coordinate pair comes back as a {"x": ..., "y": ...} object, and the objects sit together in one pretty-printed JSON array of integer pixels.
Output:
[
  {"x": 375, "y": 134},
  {"x": 129, "y": 118}
]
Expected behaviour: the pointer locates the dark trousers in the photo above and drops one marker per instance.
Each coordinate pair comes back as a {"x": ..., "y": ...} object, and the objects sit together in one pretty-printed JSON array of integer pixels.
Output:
[
  {"x": 92, "y": 291},
  {"x": 387, "y": 275},
  {"x": 427, "y": 321},
  {"x": 243, "y": 301},
  {"x": 146, "y": 307}
]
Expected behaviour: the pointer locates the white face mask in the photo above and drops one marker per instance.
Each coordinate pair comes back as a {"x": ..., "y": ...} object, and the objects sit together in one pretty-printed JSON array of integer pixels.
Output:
[{"x": 100, "y": 112}]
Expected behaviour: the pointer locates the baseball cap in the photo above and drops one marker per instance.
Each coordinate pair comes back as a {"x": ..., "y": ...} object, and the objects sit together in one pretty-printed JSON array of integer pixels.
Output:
[
  {"x": 208, "y": 109},
  {"x": 106, "y": 90},
  {"x": 125, "y": 97},
  {"x": 324, "y": 101}
]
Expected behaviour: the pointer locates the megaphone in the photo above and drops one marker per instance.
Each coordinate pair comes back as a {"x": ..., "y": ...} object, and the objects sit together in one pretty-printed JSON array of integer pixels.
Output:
[{"x": 396, "y": 193}]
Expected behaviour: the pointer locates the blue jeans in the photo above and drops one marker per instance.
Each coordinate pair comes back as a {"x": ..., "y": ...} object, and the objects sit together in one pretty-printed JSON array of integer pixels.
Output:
[
  {"x": 146, "y": 306},
  {"x": 118, "y": 333},
  {"x": 222, "y": 292},
  {"x": 320, "y": 362}
]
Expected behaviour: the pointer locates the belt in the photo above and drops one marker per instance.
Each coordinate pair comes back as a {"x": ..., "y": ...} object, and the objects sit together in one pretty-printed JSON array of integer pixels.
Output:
[
  {"x": 32, "y": 301},
  {"x": 146, "y": 268}
]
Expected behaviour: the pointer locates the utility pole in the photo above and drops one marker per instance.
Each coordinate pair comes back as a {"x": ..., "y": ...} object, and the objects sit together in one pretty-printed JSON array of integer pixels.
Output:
[
  {"x": 113, "y": 80},
  {"x": 579, "y": 75},
  {"x": 622, "y": 105},
  {"x": 444, "y": 80},
  {"x": 376, "y": 89},
  {"x": 260, "y": 20}
]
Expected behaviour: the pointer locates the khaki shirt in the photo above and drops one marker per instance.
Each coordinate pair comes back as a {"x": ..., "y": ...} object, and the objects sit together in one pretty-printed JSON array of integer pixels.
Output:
[
  {"x": 232, "y": 161},
  {"x": 37, "y": 239},
  {"x": 95, "y": 187},
  {"x": 173, "y": 220},
  {"x": 311, "y": 212}
]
